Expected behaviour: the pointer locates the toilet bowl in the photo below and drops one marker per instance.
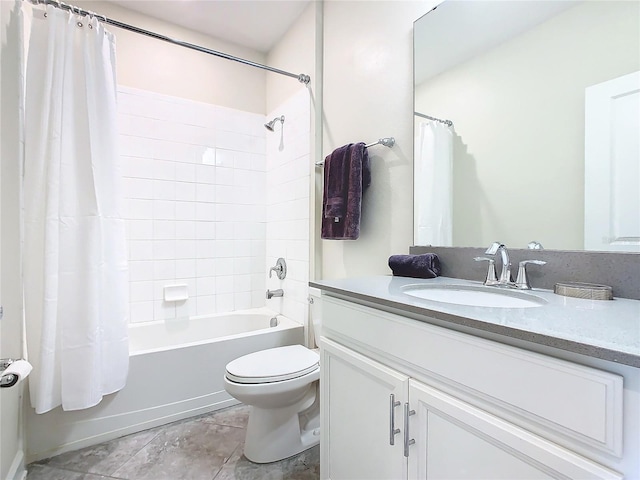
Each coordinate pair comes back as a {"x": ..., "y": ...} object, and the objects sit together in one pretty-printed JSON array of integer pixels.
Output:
[{"x": 281, "y": 385}]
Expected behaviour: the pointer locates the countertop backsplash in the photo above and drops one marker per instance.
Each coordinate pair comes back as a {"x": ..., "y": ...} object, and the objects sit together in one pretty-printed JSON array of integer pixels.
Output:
[{"x": 621, "y": 271}]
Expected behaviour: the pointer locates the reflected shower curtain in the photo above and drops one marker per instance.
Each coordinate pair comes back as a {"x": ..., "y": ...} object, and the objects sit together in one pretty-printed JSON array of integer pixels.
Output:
[
  {"x": 433, "y": 184},
  {"x": 75, "y": 264}
]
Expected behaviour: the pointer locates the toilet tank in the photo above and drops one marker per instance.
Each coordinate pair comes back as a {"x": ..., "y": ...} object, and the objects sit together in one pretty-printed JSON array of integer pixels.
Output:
[{"x": 315, "y": 313}]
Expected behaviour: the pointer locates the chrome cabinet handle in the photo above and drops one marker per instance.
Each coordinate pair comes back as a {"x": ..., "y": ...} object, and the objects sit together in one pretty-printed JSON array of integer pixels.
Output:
[
  {"x": 407, "y": 442},
  {"x": 392, "y": 419}
]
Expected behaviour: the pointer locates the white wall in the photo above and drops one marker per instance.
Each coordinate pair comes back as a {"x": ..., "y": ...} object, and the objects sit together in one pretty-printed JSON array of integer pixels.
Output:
[
  {"x": 194, "y": 184},
  {"x": 150, "y": 64},
  {"x": 11, "y": 413},
  {"x": 289, "y": 175},
  {"x": 288, "y": 172},
  {"x": 368, "y": 94},
  {"x": 536, "y": 83}
]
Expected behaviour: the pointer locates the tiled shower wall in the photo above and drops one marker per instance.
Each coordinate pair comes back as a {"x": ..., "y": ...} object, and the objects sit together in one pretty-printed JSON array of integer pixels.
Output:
[
  {"x": 195, "y": 189},
  {"x": 289, "y": 166}
]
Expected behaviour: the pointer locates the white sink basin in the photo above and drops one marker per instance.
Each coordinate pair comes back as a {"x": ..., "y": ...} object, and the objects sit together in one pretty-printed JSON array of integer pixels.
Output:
[{"x": 474, "y": 296}]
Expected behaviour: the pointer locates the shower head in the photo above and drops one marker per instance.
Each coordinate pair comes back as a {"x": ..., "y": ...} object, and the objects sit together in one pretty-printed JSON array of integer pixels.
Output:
[{"x": 271, "y": 125}]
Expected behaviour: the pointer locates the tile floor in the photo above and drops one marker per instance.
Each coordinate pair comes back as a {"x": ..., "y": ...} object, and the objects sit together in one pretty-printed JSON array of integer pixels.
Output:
[{"x": 208, "y": 447}]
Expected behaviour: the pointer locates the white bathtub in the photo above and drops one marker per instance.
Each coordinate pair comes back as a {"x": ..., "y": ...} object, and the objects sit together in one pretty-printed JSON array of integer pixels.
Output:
[{"x": 175, "y": 371}]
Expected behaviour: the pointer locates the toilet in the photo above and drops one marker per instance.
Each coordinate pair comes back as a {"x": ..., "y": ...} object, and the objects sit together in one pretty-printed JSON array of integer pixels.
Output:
[{"x": 281, "y": 385}]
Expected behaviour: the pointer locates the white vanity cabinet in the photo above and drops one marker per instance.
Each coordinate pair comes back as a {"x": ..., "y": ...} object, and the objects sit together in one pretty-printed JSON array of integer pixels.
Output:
[{"x": 470, "y": 408}]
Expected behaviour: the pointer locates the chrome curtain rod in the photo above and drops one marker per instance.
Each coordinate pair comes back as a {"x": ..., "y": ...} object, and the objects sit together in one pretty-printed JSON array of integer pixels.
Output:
[
  {"x": 386, "y": 141},
  {"x": 302, "y": 78},
  {"x": 448, "y": 123}
]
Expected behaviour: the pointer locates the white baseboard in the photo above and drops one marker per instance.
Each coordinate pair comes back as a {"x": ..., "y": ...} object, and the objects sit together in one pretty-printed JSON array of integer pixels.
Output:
[{"x": 17, "y": 470}]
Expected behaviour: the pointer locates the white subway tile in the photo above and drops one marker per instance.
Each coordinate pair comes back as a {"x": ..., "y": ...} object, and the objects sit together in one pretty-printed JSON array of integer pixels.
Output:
[
  {"x": 141, "y": 311},
  {"x": 185, "y": 191},
  {"x": 186, "y": 268},
  {"x": 136, "y": 167},
  {"x": 242, "y": 300},
  {"x": 258, "y": 282},
  {"x": 205, "y": 267},
  {"x": 164, "y": 210},
  {"x": 131, "y": 146},
  {"x": 137, "y": 209},
  {"x": 242, "y": 248},
  {"x": 223, "y": 266},
  {"x": 185, "y": 229},
  {"x": 141, "y": 291},
  {"x": 140, "y": 229},
  {"x": 164, "y": 170},
  {"x": 185, "y": 211},
  {"x": 224, "y": 284},
  {"x": 242, "y": 160},
  {"x": 224, "y": 176},
  {"x": 205, "y": 155},
  {"x": 164, "y": 269},
  {"x": 140, "y": 250},
  {"x": 225, "y": 158},
  {"x": 206, "y": 249},
  {"x": 205, "y": 230},
  {"x": 206, "y": 212},
  {"x": 206, "y": 305},
  {"x": 241, "y": 265},
  {"x": 190, "y": 283},
  {"x": 258, "y": 299},
  {"x": 164, "y": 190},
  {"x": 164, "y": 229},
  {"x": 224, "y": 248},
  {"x": 224, "y": 303},
  {"x": 206, "y": 174},
  {"x": 259, "y": 265},
  {"x": 225, "y": 231},
  {"x": 140, "y": 270},
  {"x": 138, "y": 188},
  {"x": 224, "y": 194},
  {"x": 164, "y": 310},
  {"x": 205, "y": 286},
  {"x": 242, "y": 283},
  {"x": 206, "y": 193},
  {"x": 225, "y": 213},
  {"x": 186, "y": 309},
  {"x": 186, "y": 249},
  {"x": 185, "y": 172}
]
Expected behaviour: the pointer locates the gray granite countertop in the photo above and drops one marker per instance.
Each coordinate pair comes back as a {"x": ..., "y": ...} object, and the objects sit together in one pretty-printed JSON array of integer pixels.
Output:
[{"x": 609, "y": 330}]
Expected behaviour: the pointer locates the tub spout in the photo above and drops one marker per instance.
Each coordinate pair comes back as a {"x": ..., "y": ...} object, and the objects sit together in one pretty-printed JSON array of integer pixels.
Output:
[{"x": 275, "y": 293}]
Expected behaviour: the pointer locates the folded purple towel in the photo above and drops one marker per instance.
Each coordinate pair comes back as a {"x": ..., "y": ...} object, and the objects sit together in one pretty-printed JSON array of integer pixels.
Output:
[
  {"x": 426, "y": 265},
  {"x": 347, "y": 174}
]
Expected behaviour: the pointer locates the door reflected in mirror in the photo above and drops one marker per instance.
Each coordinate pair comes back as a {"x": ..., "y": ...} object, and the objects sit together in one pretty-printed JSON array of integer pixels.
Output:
[{"x": 519, "y": 81}]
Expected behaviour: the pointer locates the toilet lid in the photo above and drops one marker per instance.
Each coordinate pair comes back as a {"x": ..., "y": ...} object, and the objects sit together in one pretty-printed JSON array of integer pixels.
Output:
[{"x": 273, "y": 365}]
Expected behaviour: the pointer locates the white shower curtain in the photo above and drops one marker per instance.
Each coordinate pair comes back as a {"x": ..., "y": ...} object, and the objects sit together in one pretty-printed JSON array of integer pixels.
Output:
[
  {"x": 75, "y": 263},
  {"x": 433, "y": 184}
]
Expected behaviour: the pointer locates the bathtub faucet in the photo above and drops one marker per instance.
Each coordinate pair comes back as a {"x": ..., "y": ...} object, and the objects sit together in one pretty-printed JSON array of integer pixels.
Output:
[{"x": 275, "y": 293}]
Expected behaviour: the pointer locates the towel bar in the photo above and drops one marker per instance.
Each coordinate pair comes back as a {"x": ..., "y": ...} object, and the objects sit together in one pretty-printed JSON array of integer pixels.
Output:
[{"x": 387, "y": 142}]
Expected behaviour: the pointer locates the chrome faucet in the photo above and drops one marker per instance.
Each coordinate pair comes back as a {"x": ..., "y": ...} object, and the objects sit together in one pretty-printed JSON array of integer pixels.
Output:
[
  {"x": 275, "y": 293},
  {"x": 505, "y": 280},
  {"x": 505, "y": 273}
]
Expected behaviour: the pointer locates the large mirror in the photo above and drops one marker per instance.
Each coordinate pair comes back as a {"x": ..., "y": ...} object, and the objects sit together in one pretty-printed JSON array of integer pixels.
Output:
[{"x": 544, "y": 98}]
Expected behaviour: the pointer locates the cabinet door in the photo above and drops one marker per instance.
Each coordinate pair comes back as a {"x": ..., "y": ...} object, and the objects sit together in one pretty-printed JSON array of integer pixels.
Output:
[
  {"x": 356, "y": 416},
  {"x": 454, "y": 440}
]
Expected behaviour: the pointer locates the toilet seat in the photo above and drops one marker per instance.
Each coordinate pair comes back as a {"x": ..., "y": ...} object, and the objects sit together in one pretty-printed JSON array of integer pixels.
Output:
[{"x": 273, "y": 365}]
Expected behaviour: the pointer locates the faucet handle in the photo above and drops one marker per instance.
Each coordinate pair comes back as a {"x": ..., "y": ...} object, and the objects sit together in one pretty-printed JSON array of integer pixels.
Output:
[
  {"x": 522, "y": 281},
  {"x": 493, "y": 248},
  {"x": 280, "y": 269},
  {"x": 492, "y": 277}
]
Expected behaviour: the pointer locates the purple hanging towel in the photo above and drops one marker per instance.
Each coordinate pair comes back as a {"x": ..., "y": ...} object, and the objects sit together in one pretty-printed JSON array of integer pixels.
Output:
[{"x": 347, "y": 173}]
